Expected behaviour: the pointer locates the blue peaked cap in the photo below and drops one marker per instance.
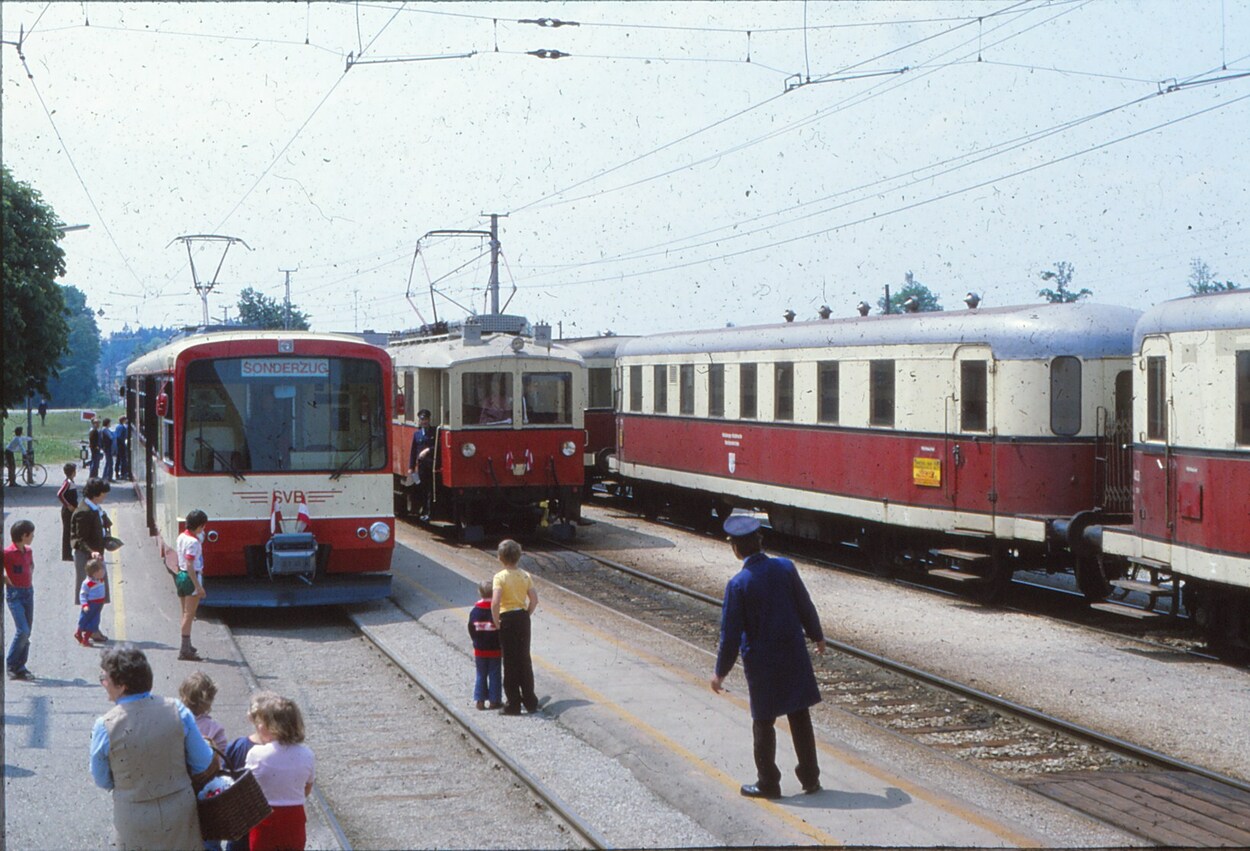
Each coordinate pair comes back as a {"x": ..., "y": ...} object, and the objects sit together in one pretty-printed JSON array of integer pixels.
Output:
[{"x": 741, "y": 525}]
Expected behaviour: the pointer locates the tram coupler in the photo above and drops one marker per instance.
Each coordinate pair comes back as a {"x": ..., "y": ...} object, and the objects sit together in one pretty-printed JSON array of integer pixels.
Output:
[{"x": 291, "y": 554}]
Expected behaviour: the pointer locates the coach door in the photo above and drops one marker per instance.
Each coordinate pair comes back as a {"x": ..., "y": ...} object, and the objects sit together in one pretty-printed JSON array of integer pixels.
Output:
[
  {"x": 970, "y": 461},
  {"x": 1155, "y": 473},
  {"x": 150, "y": 426}
]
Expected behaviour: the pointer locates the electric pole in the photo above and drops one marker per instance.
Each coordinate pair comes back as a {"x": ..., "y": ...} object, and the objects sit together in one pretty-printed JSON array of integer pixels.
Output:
[{"x": 286, "y": 317}]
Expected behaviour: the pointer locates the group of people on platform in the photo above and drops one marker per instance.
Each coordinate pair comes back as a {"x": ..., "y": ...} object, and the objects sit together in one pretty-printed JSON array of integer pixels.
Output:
[
  {"x": 153, "y": 752},
  {"x": 111, "y": 444},
  {"x": 499, "y": 625}
]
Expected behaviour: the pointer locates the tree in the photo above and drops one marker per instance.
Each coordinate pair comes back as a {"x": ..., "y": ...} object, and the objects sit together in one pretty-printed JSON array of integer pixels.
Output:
[
  {"x": 1061, "y": 276},
  {"x": 35, "y": 330},
  {"x": 75, "y": 383},
  {"x": 1202, "y": 279},
  {"x": 260, "y": 311},
  {"x": 911, "y": 289}
]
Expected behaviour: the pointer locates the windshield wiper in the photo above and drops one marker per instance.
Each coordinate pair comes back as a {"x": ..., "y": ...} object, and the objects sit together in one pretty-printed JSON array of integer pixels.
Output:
[
  {"x": 221, "y": 459},
  {"x": 359, "y": 449}
]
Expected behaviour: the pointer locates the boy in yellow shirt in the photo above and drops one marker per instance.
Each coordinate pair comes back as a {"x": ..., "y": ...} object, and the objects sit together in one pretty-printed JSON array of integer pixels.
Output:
[{"x": 513, "y": 600}]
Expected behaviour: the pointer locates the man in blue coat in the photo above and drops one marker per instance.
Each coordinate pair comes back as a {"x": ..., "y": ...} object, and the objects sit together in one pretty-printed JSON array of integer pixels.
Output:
[{"x": 766, "y": 613}]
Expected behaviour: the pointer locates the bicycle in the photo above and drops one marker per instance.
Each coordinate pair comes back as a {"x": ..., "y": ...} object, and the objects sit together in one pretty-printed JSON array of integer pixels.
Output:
[
  {"x": 84, "y": 454},
  {"x": 32, "y": 474}
]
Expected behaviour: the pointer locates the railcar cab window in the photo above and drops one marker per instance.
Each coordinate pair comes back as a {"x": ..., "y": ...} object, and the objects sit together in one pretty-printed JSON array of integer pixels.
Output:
[
  {"x": 973, "y": 395},
  {"x": 547, "y": 398},
  {"x": 881, "y": 393},
  {"x": 783, "y": 391},
  {"x": 685, "y": 388},
  {"x": 659, "y": 397},
  {"x": 716, "y": 390},
  {"x": 1243, "y": 398},
  {"x": 1065, "y": 395},
  {"x": 268, "y": 414},
  {"x": 827, "y": 397},
  {"x": 748, "y": 391},
  {"x": 167, "y": 423},
  {"x": 486, "y": 398},
  {"x": 1156, "y": 399},
  {"x": 635, "y": 388}
]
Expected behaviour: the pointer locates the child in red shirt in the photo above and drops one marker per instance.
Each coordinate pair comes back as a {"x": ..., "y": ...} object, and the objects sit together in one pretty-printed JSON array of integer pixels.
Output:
[
  {"x": 19, "y": 593},
  {"x": 91, "y": 598}
]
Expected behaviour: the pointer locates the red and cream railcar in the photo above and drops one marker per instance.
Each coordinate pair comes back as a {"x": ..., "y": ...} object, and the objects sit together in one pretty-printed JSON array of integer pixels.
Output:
[
  {"x": 599, "y": 405},
  {"x": 949, "y": 439},
  {"x": 510, "y": 428},
  {"x": 281, "y": 438},
  {"x": 1191, "y": 459}
]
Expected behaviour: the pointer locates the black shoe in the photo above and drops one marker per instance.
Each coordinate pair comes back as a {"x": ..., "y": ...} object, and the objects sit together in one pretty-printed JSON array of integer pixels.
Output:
[
  {"x": 531, "y": 707},
  {"x": 755, "y": 791},
  {"x": 21, "y": 675},
  {"x": 511, "y": 709},
  {"x": 190, "y": 656},
  {"x": 812, "y": 789},
  {"x": 99, "y": 636}
]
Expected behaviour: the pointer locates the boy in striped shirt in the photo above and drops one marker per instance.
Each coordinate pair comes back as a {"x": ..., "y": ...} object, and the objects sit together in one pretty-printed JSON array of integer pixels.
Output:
[{"x": 91, "y": 598}]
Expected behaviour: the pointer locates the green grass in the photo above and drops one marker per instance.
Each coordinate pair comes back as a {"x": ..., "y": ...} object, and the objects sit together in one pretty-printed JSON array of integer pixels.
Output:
[{"x": 57, "y": 441}]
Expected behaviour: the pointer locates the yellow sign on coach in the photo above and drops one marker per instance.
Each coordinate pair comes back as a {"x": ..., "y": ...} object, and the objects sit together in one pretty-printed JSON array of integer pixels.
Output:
[{"x": 926, "y": 472}]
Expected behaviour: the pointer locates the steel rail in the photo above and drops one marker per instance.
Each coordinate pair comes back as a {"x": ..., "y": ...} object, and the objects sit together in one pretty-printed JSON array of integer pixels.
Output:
[
  {"x": 575, "y": 823},
  {"x": 1010, "y": 707}
]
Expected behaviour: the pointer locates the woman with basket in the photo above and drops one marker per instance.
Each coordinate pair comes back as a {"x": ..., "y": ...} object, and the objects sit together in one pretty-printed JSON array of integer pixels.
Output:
[{"x": 145, "y": 750}]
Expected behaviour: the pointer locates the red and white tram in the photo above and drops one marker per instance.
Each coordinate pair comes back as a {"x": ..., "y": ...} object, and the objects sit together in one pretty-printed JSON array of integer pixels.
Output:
[
  {"x": 947, "y": 440},
  {"x": 281, "y": 437},
  {"x": 510, "y": 427},
  {"x": 1191, "y": 462}
]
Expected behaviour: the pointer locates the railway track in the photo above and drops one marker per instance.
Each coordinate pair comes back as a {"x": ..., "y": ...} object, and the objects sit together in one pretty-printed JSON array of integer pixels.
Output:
[{"x": 1151, "y": 794}]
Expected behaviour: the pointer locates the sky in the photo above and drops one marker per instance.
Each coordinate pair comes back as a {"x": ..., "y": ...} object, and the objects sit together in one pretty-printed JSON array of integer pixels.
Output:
[{"x": 656, "y": 166}]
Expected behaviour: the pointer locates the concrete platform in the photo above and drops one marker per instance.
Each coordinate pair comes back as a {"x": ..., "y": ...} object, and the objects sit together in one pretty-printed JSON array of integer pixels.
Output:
[{"x": 50, "y": 800}]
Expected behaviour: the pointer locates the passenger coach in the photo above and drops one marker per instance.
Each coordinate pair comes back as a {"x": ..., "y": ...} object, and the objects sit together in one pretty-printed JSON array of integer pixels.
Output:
[
  {"x": 281, "y": 437},
  {"x": 944, "y": 441}
]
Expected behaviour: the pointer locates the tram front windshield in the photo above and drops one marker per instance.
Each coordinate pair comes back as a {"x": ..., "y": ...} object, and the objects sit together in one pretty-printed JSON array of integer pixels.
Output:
[{"x": 270, "y": 414}]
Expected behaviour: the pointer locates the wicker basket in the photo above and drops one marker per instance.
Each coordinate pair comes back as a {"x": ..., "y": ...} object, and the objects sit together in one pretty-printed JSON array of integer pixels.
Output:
[{"x": 235, "y": 811}]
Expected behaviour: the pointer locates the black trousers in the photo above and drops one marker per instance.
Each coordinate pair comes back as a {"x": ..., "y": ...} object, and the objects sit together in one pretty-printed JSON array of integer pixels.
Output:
[
  {"x": 518, "y": 669},
  {"x": 765, "y": 735}
]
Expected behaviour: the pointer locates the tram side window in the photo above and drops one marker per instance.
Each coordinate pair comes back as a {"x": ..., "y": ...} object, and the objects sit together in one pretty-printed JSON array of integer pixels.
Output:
[
  {"x": 600, "y": 387},
  {"x": 659, "y": 375},
  {"x": 547, "y": 398},
  {"x": 716, "y": 390},
  {"x": 685, "y": 388},
  {"x": 748, "y": 391},
  {"x": 783, "y": 391},
  {"x": 881, "y": 393},
  {"x": 486, "y": 398},
  {"x": 1156, "y": 398},
  {"x": 1243, "y": 398},
  {"x": 827, "y": 397},
  {"x": 410, "y": 397},
  {"x": 973, "y": 395},
  {"x": 167, "y": 424},
  {"x": 635, "y": 388},
  {"x": 1065, "y": 395}
]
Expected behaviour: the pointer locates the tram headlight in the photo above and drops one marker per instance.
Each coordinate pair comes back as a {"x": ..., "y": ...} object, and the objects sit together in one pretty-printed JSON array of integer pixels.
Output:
[
  {"x": 380, "y": 532},
  {"x": 468, "y": 450},
  {"x": 568, "y": 448}
]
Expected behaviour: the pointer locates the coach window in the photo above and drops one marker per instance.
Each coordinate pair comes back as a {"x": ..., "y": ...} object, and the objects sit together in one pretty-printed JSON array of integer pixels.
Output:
[
  {"x": 783, "y": 391},
  {"x": 1065, "y": 395},
  {"x": 1243, "y": 398},
  {"x": 716, "y": 390},
  {"x": 748, "y": 382},
  {"x": 881, "y": 393},
  {"x": 167, "y": 424},
  {"x": 827, "y": 397},
  {"x": 635, "y": 388},
  {"x": 973, "y": 392},
  {"x": 1156, "y": 399},
  {"x": 486, "y": 398},
  {"x": 547, "y": 398},
  {"x": 410, "y": 397},
  {"x": 685, "y": 388},
  {"x": 600, "y": 386},
  {"x": 659, "y": 377}
]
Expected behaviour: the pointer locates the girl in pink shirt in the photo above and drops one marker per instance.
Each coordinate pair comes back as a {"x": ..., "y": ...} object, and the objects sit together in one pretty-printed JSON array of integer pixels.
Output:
[{"x": 284, "y": 768}]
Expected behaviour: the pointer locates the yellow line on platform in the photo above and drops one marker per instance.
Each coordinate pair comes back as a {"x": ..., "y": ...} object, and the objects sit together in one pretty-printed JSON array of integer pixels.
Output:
[{"x": 116, "y": 584}]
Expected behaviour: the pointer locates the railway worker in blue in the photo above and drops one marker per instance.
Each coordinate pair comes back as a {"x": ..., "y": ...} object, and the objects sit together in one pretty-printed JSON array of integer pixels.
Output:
[
  {"x": 421, "y": 460},
  {"x": 766, "y": 613}
]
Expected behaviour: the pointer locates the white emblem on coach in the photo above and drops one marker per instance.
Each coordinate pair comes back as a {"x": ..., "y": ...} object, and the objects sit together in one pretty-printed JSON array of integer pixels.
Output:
[{"x": 732, "y": 461}]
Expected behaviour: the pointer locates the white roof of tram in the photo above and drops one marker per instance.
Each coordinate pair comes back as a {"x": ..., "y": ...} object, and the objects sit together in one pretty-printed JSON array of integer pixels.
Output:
[
  {"x": 1210, "y": 312},
  {"x": 159, "y": 359},
  {"x": 1024, "y": 332},
  {"x": 444, "y": 352}
]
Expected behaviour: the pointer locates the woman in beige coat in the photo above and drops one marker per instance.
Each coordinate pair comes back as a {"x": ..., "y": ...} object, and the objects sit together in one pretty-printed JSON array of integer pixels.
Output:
[{"x": 145, "y": 750}]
